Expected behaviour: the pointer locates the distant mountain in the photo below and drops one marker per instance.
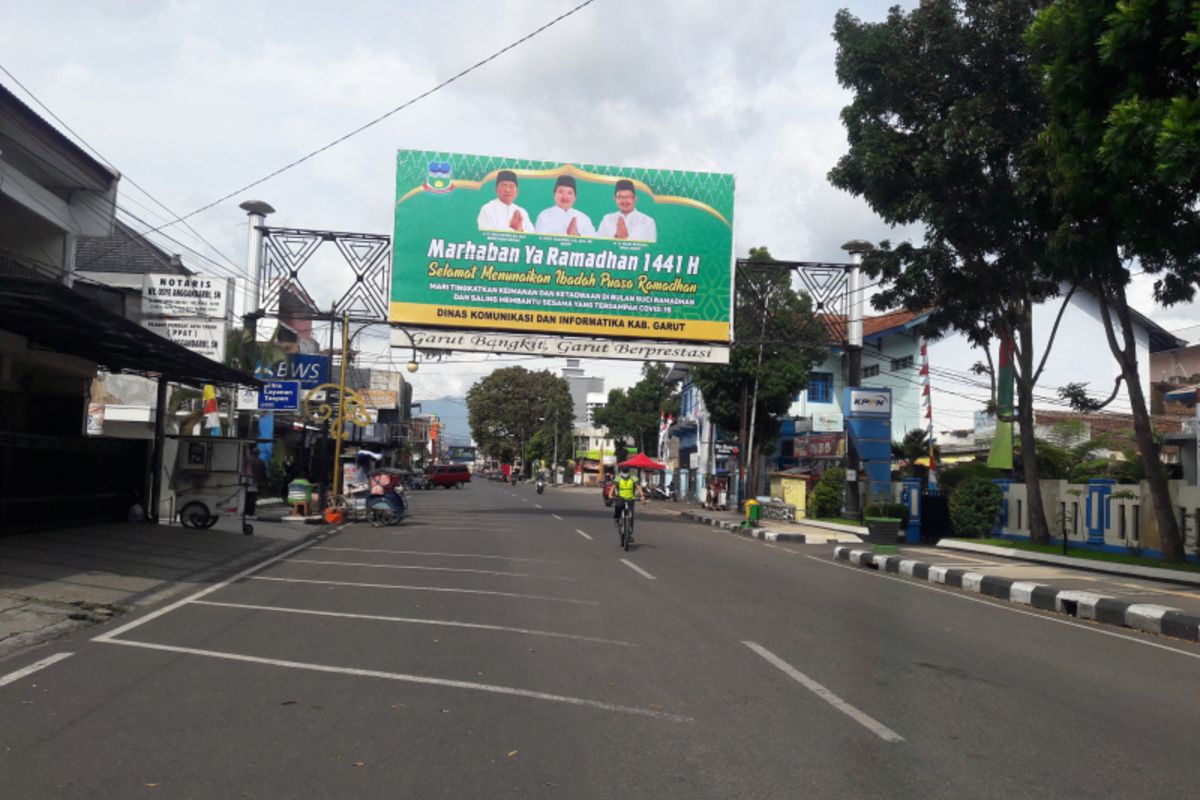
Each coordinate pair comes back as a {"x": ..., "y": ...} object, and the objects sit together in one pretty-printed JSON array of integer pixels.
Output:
[{"x": 453, "y": 412}]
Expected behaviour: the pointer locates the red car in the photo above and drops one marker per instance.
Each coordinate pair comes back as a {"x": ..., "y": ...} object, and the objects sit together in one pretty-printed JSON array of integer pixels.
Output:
[{"x": 448, "y": 475}]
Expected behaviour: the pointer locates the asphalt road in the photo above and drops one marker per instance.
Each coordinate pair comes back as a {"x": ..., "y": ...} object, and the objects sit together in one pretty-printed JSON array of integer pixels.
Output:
[{"x": 499, "y": 644}]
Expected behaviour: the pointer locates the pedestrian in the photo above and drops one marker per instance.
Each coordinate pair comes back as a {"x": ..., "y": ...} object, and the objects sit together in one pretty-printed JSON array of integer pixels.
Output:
[{"x": 254, "y": 474}]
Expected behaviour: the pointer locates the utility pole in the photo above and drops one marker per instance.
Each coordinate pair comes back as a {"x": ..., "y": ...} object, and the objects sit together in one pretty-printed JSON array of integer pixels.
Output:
[
  {"x": 341, "y": 409},
  {"x": 554, "y": 465},
  {"x": 854, "y": 344}
]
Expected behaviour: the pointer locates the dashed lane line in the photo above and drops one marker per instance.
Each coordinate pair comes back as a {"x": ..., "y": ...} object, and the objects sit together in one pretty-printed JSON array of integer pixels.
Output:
[
  {"x": 557, "y": 517},
  {"x": 638, "y": 569},
  {"x": 584, "y": 535}
]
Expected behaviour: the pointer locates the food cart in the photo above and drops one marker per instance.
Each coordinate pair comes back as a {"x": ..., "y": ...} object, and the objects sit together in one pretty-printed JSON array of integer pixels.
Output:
[{"x": 205, "y": 481}]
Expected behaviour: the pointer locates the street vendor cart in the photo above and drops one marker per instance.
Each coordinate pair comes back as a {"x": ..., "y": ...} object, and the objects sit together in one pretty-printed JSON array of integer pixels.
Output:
[{"x": 206, "y": 482}]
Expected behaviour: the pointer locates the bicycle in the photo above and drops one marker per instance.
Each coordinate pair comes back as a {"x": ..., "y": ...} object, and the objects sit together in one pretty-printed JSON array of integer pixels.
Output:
[{"x": 625, "y": 525}]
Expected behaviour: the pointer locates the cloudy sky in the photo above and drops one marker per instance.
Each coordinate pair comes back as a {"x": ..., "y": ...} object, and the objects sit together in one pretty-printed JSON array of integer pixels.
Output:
[{"x": 193, "y": 100}]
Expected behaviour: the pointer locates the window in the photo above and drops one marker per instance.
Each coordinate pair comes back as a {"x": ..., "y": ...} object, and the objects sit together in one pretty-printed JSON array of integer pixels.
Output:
[
  {"x": 871, "y": 371},
  {"x": 1075, "y": 517},
  {"x": 1019, "y": 509},
  {"x": 902, "y": 363},
  {"x": 1122, "y": 511},
  {"x": 1137, "y": 522},
  {"x": 820, "y": 387}
]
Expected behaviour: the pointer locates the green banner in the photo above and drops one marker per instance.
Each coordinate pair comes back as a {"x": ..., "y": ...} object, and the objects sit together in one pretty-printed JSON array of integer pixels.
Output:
[{"x": 502, "y": 244}]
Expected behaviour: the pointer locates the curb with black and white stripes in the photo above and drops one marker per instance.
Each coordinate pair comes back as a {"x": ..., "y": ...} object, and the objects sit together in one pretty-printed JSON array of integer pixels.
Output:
[
  {"x": 1147, "y": 617},
  {"x": 758, "y": 533}
]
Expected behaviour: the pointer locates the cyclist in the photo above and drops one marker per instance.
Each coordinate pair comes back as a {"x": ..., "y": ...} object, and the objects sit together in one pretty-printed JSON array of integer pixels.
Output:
[{"x": 626, "y": 491}]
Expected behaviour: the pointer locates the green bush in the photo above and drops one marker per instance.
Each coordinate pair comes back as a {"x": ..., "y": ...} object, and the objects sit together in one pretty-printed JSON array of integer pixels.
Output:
[
  {"x": 974, "y": 505},
  {"x": 826, "y": 497},
  {"x": 952, "y": 476},
  {"x": 888, "y": 511}
]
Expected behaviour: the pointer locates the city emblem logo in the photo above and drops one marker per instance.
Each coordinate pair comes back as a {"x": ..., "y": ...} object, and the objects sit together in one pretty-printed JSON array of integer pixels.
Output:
[{"x": 440, "y": 179}]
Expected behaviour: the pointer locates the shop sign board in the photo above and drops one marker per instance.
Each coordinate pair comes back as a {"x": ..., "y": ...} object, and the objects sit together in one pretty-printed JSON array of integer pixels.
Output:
[
  {"x": 821, "y": 445},
  {"x": 870, "y": 402},
  {"x": 279, "y": 396},
  {"x": 485, "y": 243},
  {"x": 166, "y": 295},
  {"x": 310, "y": 370},
  {"x": 559, "y": 346},
  {"x": 378, "y": 398},
  {"x": 827, "y": 422},
  {"x": 204, "y": 337}
]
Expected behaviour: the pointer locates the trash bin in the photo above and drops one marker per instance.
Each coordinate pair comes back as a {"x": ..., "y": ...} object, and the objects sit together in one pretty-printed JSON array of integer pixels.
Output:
[
  {"x": 753, "y": 509},
  {"x": 300, "y": 491}
]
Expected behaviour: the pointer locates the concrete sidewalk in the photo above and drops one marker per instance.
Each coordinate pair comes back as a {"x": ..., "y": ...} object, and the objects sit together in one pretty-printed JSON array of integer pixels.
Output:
[
  {"x": 771, "y": 530},
  {"x": 54, "y": 581},
  {"x": 1152, "y": 606}
]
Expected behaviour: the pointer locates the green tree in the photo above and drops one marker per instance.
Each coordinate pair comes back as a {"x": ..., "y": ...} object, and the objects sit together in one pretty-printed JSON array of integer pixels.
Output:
[
  {"x": 510, "y": 407},
  {"x": 942, "y": 131},
  {"x": 777, "y": 339},
  {"x": 1121, "y": 138},
  {"x": 633, "y": 416},
  {"x": 913, "y": 447}
]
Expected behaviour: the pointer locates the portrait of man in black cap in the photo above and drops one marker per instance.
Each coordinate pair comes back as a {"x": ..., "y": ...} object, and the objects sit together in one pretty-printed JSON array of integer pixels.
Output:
[
  {"x": 503, "y": 214},
  {"x": 627, "y": 222},
  {"x": 563, "y": 218}
]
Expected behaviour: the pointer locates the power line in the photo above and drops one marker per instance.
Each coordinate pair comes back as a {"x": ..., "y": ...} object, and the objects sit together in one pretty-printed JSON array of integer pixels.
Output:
[{"x": 381, "y": 117}]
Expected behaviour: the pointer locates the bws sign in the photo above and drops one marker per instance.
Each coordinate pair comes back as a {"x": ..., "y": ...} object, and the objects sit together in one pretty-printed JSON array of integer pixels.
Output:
[{"x": 310, "y": 371}]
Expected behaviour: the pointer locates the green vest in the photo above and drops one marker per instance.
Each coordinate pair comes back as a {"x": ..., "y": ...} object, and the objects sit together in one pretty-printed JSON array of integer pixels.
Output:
[{"x": 625, "y": 488}]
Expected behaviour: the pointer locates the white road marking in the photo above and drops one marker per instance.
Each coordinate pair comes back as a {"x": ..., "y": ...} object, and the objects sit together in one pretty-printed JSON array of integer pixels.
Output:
[
  {"x": 428, "y": 553},
  {"x": 537, "y": 505},
  {"x": 772, "y": 546},
  {"x": 216, "y": 587},
  {"x": 1001, "y": 606},
  {"x": 637, "y": 569},
  {"x": 398, "y": 676},
  {"x": 870, "y": 723},
  {"x": 414, "y": 621},
  {"x": 524, "y": 499},
  {"x": 584, "y": 535},
  {"x": 557, "y": 517},
  {"x": 420, "y": 568},
  {"x": 423, "y": 589},
  {"x": 12, "y": 677}
]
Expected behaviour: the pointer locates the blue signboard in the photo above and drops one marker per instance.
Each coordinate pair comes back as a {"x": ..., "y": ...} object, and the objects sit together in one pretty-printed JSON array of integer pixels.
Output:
[
  {"x": 279, "y": 396},
  {"x": 309, "y": 370}
]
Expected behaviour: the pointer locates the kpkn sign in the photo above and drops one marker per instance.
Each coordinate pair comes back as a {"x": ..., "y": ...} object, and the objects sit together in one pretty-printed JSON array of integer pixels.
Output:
[
  {"x": 870, "y": 402},
  {"x": 279, "y": 396}
]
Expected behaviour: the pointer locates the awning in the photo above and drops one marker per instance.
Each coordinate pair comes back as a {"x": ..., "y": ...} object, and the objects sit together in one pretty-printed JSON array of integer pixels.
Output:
[{"x": 53, "y": 316}]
